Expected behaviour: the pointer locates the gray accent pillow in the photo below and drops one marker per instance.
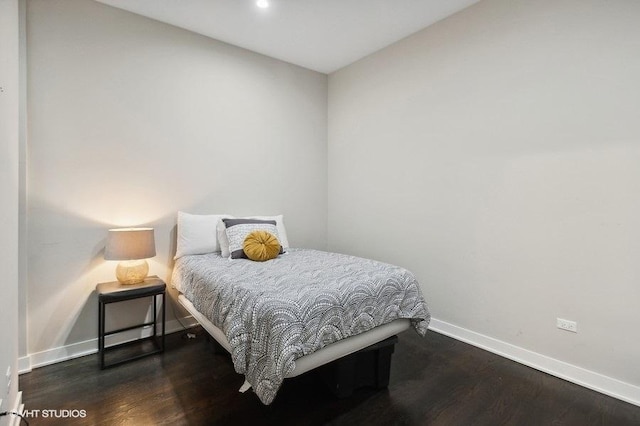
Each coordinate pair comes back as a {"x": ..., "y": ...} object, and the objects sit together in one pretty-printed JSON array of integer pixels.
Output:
[{"x": 238, "y": 229}]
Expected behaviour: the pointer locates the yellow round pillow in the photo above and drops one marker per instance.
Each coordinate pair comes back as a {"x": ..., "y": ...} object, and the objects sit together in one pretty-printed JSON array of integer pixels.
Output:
[{"x": 261, "y": 246}]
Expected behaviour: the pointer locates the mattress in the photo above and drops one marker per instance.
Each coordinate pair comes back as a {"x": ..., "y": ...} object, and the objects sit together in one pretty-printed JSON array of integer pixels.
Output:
[
  {"x": 322, "y": 356},
  {"x": 272, "y": 314}
]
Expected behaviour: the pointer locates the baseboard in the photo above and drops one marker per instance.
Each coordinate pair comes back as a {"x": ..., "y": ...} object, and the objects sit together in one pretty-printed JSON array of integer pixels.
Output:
[
  {"x": 589, "y": 379},
  {"x": 18, "y": 407},
  {"x": 24, "y": 364},
  {"x": 88, "y": 347},
  {"x": 578, "y": 375}
]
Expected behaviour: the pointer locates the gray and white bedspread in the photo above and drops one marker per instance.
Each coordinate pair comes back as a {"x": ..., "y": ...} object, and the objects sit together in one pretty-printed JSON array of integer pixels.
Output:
[{"x": 277, "y": 311}]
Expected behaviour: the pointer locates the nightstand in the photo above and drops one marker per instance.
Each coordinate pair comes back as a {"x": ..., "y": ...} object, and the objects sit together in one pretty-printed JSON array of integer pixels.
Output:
[{"x": 113, "y": 292}]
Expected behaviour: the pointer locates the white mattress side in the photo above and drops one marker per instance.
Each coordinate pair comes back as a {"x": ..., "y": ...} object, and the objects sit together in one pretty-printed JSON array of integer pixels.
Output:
[{"x": 323, "y": 356}]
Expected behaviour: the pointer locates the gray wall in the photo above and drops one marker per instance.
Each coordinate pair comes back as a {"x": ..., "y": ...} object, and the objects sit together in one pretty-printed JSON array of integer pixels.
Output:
[
  {"x": 496, "y": 154},
  {"x": 131, "y": 120},
  {"x": 9, "y": 160}
]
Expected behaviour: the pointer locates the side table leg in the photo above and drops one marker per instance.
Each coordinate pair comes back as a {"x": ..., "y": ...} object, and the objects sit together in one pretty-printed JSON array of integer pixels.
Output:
[
  {"x": 155, "y": 317},
  {"x": 101, "y": 309},
  {"x": 164, "y": 305}
]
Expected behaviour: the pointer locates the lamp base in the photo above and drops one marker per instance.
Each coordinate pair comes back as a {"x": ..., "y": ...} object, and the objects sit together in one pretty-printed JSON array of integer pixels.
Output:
[{"x": 132, "y": 271}]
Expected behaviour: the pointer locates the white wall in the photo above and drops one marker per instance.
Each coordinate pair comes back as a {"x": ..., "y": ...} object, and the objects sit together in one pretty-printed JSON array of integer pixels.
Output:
[
  {"x": 9, "y": 107},
  {"x": 496, "y": 154},
  {"x": 131, "y": 120}
]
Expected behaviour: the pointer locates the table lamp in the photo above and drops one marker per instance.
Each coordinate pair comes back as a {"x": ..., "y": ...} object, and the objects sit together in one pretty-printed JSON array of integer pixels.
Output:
[{"x": 131, "y": 246}]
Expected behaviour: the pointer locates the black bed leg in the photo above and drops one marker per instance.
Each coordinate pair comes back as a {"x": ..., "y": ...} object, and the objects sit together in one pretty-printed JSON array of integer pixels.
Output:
[
  {"x": 367, "y": 367},
  {"x": 345, "y": 380},
  {"x": 383, "y": 364}
]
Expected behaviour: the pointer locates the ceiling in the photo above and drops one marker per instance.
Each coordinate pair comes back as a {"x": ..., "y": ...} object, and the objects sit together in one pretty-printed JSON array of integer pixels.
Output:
[{"x": 322, "y": 35}]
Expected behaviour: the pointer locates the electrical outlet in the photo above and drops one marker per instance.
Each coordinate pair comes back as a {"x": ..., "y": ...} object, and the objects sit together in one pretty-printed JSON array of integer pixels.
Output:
[{"x": 567, "y": 325}]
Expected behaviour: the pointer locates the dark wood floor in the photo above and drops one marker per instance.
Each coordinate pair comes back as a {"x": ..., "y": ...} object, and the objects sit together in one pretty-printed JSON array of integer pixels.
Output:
[{"x": 434, "y": 381}]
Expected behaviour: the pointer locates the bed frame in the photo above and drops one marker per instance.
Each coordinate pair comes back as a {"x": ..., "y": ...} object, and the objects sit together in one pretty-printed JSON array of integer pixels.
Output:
[{"x": 321, "y": 357}]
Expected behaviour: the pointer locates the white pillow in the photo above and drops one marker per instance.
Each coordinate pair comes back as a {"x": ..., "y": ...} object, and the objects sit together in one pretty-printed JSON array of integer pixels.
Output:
[
  {"x": 197, "y": 233},
  {"x": 224, "y": 241}
]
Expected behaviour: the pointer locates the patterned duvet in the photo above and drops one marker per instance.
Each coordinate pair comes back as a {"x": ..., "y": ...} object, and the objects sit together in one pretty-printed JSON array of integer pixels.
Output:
[{"x": 277, "y": 311}]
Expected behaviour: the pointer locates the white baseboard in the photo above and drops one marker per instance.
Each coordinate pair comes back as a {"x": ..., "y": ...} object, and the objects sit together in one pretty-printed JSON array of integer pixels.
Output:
[
  {"x": 589, "y": 379},
  {"x": 24, "y": 364},
  {"x": 18, "y": 407},
  {"x": 88, "y": 347}
]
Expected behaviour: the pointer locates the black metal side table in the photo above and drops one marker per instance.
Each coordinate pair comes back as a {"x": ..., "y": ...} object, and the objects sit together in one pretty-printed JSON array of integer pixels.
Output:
[{"x": 113, "y": 292}]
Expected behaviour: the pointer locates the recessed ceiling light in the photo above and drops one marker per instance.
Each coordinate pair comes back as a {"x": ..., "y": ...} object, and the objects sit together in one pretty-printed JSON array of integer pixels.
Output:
[{"x": 263, "y": 4}]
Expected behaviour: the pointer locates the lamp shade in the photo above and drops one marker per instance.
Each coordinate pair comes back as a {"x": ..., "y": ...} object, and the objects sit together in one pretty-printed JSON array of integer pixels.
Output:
[{"x": 130, "y": 244}]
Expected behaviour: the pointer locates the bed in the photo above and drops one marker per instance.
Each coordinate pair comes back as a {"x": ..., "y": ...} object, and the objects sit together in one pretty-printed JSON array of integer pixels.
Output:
[{"x": 300, "y": 310}]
